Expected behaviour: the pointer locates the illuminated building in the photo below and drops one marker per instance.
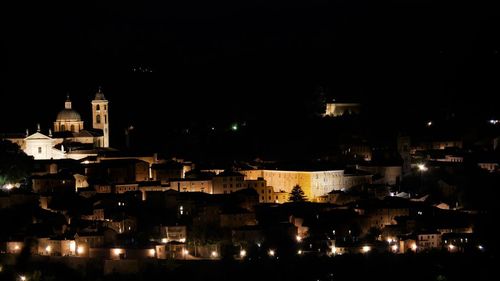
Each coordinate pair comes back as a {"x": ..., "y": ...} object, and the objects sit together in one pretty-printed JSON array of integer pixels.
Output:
[
  {"x": 336, "y": 109},
  {"x": 69, "y": 138},
  {"x": 314, "y": 184}
]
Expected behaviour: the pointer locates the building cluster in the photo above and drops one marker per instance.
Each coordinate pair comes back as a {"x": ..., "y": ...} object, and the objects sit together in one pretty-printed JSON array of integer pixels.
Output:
[{"x": 106, "y": 204}]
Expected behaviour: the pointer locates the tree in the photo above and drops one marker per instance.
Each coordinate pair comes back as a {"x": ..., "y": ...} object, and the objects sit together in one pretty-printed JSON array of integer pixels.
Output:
[
  {"x": 297, "y": 194},
  {"x": 15, "y": 165}
]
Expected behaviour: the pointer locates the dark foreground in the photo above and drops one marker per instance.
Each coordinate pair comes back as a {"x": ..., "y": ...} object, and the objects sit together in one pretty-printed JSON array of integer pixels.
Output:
[{"x": 433, "y": 266}]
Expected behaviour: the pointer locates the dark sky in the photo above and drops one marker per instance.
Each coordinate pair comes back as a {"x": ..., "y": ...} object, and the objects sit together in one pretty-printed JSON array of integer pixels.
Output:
[{"x": 242, "y": 60}]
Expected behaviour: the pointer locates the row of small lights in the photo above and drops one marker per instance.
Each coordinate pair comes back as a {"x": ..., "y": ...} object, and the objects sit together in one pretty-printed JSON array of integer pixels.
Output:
[
  {"x": 272, "y": 252},
  {"x": 491, "y": 121},
  {"x": 365, "y": 249},
  {"x": 118, "y": 251},
  {"x": 214, "y": 254},
  {"x": 451, "y": 247},
  {"x": 72, "y": 247}
]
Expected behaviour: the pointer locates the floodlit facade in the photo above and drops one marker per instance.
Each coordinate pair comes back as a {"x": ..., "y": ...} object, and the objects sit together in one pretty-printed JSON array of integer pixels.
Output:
[
  {"x": 336, "y": 109},
  {"x": 68, "y": 128},
  {"x": 314, "y": 184}
]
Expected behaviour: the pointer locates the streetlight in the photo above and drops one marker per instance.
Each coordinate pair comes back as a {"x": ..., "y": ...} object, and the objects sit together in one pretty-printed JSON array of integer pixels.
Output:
[
  {"x": 80, "y": 250},
  {"x": 422, "y": 168},
  {"x": 366, "y": 249},
  {"x": 243, "y": 253},
  {"x": 127, "y": 135},
  {"x": 271, "y": 253},
  {"x": 22, "y": 278},
  {"x": 117, "y": 251},
  {"x": 394, "y": 248}
]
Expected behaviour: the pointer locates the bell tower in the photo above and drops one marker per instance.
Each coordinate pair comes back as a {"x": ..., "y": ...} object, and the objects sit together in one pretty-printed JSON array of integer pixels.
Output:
[{"x": 100, "y": 116}]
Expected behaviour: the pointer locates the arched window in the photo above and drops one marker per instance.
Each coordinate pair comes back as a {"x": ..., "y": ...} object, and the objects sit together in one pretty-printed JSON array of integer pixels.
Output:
[
  {"x": 98, "y": 119},
  {"x": 63, "y": 128},
  {"x": 72, "y": 128},
  {"x": 97, "y": 107}
]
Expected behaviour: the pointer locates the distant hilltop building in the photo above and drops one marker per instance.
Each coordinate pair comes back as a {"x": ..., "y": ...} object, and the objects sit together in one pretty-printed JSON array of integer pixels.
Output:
[
  {"x": 69, "y": 138},
  {"x": 336, "y": 109}
]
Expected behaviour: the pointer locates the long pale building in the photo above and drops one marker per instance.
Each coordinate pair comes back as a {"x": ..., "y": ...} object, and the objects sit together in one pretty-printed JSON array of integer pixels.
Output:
[{"x": 313, "y": 183}]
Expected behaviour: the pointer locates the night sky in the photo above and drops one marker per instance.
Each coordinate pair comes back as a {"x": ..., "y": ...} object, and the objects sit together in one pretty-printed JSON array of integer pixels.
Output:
[{"x": 219, "y": 61}]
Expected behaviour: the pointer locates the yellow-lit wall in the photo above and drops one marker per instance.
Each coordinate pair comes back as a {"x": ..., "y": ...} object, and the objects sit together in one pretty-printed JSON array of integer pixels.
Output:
[
  {"x": 313, "y": 184},
  {"x": 340, "y": 109}
]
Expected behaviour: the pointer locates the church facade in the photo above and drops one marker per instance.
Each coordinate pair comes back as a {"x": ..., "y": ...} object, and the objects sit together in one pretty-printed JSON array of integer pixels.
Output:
[{"x": 69, "y": 138}]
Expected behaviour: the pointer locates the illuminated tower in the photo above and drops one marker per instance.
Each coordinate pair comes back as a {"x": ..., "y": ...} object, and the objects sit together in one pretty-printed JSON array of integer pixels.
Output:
[{"x": 100, "y": 116}]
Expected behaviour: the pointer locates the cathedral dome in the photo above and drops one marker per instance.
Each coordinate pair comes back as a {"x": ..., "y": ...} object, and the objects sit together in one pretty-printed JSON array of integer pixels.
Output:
[{"x": 68, "y": 115}]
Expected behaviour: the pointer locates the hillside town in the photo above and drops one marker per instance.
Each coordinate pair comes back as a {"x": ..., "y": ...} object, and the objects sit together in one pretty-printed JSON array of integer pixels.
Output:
[{"x": 69, "y": 197}]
